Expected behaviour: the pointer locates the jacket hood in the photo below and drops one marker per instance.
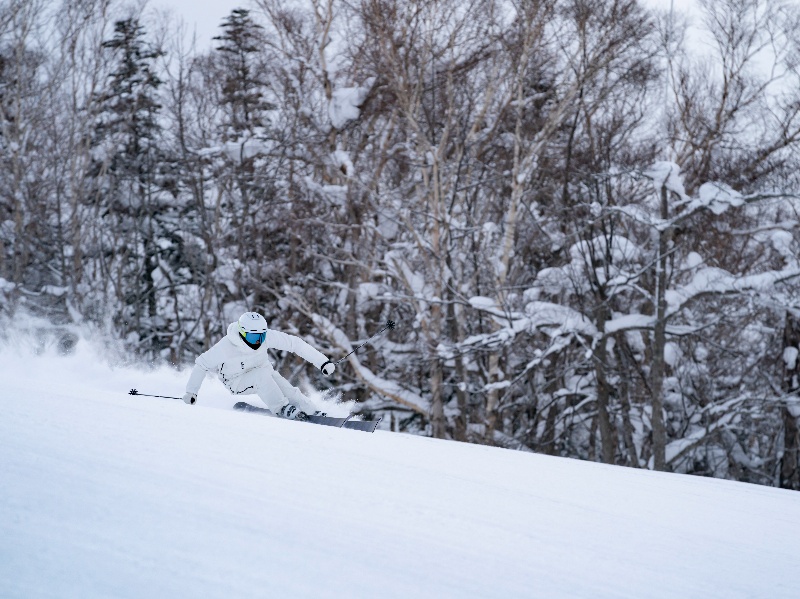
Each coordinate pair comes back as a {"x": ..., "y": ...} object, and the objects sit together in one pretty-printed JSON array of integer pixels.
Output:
[{"x": 233, "y": 336}]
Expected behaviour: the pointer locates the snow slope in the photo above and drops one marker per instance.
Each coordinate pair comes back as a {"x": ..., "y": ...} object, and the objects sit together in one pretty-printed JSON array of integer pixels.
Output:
[{"x": 107, "y": 495}]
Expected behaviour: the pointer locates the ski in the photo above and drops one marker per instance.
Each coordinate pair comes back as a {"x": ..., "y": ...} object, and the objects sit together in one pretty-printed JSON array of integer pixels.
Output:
[
  {"x": 243, "y": 406},
  {"x": 368, "y": 426}
]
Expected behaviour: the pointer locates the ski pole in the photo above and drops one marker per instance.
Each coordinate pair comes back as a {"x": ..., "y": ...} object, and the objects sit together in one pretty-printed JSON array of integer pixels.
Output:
[
  {"x": 135, "y": 392},
  {"x": 389, "y": 325}
]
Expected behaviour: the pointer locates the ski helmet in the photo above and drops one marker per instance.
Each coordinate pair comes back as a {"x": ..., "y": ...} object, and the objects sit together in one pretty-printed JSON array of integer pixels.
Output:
[{"x": 253, "y": 329}]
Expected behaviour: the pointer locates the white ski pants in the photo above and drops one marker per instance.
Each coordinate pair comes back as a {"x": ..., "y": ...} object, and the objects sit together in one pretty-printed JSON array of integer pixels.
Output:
[{"x": 274, "y": 390}]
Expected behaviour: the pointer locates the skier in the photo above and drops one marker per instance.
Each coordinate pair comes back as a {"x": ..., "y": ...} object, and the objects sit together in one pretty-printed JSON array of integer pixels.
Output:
[{"x": 242, "y": 363}]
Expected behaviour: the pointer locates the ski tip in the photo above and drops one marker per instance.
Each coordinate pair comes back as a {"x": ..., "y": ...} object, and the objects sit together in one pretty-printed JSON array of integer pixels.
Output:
[{"x": 368, "y": 426}]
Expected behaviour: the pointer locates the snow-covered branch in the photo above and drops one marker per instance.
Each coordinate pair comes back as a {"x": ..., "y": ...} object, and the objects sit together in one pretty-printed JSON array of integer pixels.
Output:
[{"x": 381, "y": 386}]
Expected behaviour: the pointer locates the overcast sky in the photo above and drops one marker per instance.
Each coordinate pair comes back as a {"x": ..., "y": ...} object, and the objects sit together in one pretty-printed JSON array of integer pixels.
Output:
[{"x": 206, "y": 15}]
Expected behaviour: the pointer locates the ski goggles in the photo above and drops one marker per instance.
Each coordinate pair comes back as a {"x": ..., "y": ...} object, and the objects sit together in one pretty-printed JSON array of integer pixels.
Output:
[{"x": 254, "y": 338}]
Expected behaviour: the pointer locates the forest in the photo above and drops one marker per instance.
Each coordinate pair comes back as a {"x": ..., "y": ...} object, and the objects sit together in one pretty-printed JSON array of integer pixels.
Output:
[{"x": 581, "y": 214}]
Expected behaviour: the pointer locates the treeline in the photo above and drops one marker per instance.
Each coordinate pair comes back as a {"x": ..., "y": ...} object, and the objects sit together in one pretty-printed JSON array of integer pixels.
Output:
[{"x": 587, "y": 233}]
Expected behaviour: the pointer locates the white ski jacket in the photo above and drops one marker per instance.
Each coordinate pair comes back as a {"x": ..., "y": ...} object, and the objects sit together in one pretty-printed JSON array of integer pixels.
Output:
[{"x": 231, "y": 357}]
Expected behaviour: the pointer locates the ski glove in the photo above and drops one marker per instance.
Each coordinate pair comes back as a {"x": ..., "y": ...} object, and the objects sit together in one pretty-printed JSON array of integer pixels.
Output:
[
  {"x": 328, "y": 368},
  {"x": 291, "y": 412},
  {"x": 190, "y": 398}
]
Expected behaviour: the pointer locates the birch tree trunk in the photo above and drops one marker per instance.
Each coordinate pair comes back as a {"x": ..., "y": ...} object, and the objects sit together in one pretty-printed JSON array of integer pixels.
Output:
[{"x": 659, "y": 440}]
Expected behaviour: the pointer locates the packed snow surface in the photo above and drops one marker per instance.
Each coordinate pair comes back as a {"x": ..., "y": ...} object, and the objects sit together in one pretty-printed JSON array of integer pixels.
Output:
[{"x": 103, "y": 494}]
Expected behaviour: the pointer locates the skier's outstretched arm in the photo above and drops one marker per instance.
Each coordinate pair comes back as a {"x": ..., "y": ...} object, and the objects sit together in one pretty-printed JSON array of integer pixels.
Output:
[
  {"x": 205, "y": 362},
  {"x": 193, "y": 386},
  {"x": 285, "y": 342}
]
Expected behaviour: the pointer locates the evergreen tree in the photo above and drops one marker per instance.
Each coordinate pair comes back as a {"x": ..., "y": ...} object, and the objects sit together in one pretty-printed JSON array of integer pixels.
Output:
[
  {"x": 242, "y": 87},
  {"x": 132, "y": 177},
  {"x": 131, "y": 105},
  {"x": 246, "y": 171}
]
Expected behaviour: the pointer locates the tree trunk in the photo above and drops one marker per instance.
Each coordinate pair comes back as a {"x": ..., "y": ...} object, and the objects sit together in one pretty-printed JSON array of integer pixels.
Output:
[
  {"x": 460, "y": 428},
  {"x": 438, "y": 422},
  {"x": 607, "y": 434},
  {"x": 790, "y": 461},
  {"x": 790, "y": 473},
  {"x": 659, "y": 343},
  {"x": 492, "y": 398},
  {"x": 624, "y": 396}
]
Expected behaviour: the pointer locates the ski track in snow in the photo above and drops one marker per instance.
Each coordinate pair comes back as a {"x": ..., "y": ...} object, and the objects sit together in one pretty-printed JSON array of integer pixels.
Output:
[{"x": 107, "y": 495}]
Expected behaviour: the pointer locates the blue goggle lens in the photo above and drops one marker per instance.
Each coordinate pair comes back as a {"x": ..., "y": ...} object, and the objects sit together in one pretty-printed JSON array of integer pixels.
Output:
[{"x": 255, "y": 338}]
